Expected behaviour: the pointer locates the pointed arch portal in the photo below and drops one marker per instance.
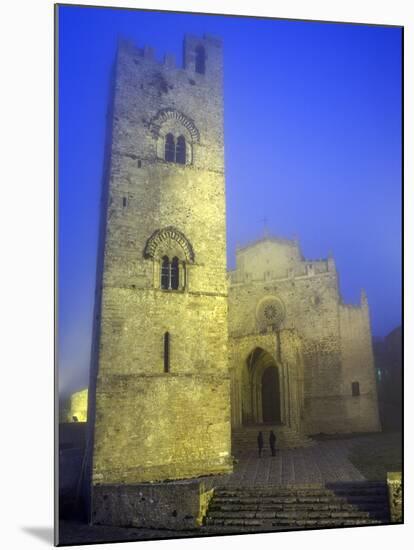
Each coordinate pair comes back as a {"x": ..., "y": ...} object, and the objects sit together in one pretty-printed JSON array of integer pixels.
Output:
[{"x": 261, "y": 403}]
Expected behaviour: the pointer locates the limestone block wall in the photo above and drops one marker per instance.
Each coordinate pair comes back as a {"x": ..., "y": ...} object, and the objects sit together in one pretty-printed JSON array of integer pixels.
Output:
[
  {"x": 311, "y": 308},
  {"x": 78, "y": 406},
  {"x": 335, "y": 339},
  {"x": 395, "y": 496},
  {"x": 180, "y": 505},
  {"x": 179, "y": 190},
  {"x": 270, "y": 258},
  {"x": 358, "y": 367},
  {"x": 190, "y": 197},
  {"x": 161, "y": 427},
  {"x": 156, "y": 419}
]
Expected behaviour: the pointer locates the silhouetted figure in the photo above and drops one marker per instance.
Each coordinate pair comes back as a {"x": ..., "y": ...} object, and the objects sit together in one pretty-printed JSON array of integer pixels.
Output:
[
  {"x": 260, "y": 443},
  {"x": 272, "y": 442}
]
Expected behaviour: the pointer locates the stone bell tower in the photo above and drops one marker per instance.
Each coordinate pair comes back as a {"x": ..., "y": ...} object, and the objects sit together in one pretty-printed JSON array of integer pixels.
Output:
[{"x": 159, "y": 392}]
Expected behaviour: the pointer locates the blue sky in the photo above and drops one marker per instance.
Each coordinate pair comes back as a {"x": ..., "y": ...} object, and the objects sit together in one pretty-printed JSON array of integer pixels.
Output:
[{"x": 312, "y": 144}]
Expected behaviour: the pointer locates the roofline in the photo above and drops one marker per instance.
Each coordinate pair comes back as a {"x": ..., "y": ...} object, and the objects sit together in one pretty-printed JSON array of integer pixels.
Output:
[{"x": 290, "y": 242}]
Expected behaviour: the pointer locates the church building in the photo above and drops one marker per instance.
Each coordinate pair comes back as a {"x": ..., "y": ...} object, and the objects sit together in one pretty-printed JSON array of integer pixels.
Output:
[
  {"x": 188, "y": 359},
  {"x": 300, "y": 358}
]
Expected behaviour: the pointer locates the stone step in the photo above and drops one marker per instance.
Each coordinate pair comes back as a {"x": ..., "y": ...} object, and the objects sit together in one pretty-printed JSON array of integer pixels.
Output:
[
  {"x": 271, "y": 508},
  {"x": 217, "y": 530},
  {"x": 334, "y": 485},
  {"x": 291, "y": 493},
  {"x": 285, "y": 500},
  {"x": 268, "y": 525},
  {"x": 336, "y": 506},
  {"x": 298, "y": 512},
  {"x": 301, "y": 514}
]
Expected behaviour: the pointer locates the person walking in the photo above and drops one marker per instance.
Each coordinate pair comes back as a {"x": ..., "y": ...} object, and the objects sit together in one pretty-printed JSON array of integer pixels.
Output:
[
  {"x": 260, "y": 443},
  {"x": 272, "y": 442}
]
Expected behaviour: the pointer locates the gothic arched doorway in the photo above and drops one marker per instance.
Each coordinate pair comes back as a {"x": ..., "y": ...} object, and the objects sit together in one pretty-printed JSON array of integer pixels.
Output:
[
  {"x": 270, "y": 396},
  {"x": 261, "y": 389}
]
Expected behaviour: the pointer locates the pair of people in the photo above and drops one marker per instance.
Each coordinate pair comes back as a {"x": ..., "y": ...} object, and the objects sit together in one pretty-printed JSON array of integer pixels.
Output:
[{"x": 272, "y": 443}]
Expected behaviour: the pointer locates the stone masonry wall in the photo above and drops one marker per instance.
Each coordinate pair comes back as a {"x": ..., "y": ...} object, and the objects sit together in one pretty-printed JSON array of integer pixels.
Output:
[
  {"x": 358, "y": 366},
  {"x": 335, "y": 343},
  {"x": 180, "y": 505},
  {"x": 78, "y": 406},
  {"x": 150, "y": 424}
]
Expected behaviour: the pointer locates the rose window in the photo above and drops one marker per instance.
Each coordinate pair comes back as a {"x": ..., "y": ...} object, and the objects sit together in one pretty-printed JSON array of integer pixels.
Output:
[{"x": 271, "y": 312}]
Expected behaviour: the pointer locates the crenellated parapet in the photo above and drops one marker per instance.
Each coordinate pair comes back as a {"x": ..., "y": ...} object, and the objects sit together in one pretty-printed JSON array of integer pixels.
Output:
[
  {"x": 272, "y": 259},
  {"x": 200, "y": 55}
]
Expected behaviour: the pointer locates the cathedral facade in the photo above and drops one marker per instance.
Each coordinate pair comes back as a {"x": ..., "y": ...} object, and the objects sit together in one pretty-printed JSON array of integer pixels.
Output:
[
  {"x": 185, "y": 353},
  {"x": 300, "y": 358}
]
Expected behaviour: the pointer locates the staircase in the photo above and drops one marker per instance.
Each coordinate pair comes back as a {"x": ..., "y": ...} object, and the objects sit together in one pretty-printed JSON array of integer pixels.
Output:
[
  {"x": 285, "y": 507},
  {"x": 244, "y": 439}
]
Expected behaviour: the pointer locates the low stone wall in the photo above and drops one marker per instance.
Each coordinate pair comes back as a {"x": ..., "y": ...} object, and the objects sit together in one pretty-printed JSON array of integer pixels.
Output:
[
  {"x": 178, "y": 505},
  {"x": 395, "y": 495}
]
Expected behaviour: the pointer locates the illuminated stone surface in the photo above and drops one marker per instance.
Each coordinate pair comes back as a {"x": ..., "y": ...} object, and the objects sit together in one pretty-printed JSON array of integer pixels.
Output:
[
  {"x": 286, "y": 313},
  {"x": 395, "y": 495},
  {"x": 78, "y": 406},
  {"x": 150, "y": 424},
  {"x": 181, "y": 353},
  {"x": 178, "y": 505}
]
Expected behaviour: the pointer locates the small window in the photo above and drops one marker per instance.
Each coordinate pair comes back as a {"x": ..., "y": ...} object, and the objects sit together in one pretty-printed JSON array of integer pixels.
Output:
[
  {"x": 167, "y": 352},
  {"x": 124, "y": 202},
  {"x": 139, "y": 164},
  {"x": 355, "y": 389},
  {"x": 169, "y": 148},
  {"x": 200, "y": 60},
  {"x": 180, "y": 156}
]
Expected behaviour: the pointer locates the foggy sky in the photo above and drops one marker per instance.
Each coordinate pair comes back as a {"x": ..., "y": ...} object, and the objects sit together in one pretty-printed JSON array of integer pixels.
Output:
[{"x": 312, "y": 143}]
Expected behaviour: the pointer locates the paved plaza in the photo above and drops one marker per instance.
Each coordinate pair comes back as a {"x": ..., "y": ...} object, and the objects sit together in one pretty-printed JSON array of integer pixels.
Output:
[{"x": 325, "y": 462}]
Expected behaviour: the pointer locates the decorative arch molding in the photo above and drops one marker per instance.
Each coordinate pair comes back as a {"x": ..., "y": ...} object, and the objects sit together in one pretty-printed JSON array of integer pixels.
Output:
[
  {"x": 160, "y": 236},
  {"x": 260, "y": 354},
  {"x": 169, "y": 113}
]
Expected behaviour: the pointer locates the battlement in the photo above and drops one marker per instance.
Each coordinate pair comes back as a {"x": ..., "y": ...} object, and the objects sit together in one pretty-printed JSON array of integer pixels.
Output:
[
  {"x": 202, "y": 56},
  {"x": 305, "y": 271},
  {"x": 293, "y": 243},
  {"x": 363, "y": 304},
  {"x": 275, "y": 258}
]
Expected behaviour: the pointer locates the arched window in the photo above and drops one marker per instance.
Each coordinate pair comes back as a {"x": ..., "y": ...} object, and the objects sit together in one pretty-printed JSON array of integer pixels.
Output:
[
  {"x": 200, "y": 60},
  {"x": 172, "y": 254},
  {"x": 174, "y": 273},
  {"x": 169, "y": 148},
  {"x": 180, "y": 150},
  {"x": 165, "y": 273},
  {"x": 167, "y": 127},
  {"x": 170, "y": 273}
]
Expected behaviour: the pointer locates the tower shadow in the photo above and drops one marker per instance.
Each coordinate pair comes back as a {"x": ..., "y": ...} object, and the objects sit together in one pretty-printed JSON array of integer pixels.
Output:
[{"x": 43, "y": 533}]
